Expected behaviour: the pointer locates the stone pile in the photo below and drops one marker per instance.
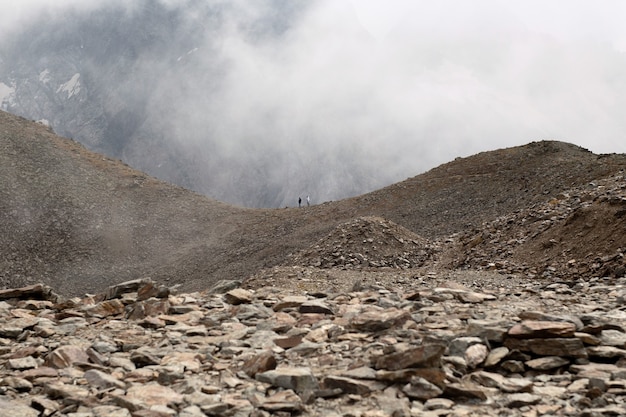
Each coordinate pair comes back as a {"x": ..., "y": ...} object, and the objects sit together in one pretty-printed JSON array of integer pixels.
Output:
[
  {"x": 491, "y": 348},
  {"x": 368, "y": 242},
  {"x": 539, "y": 240}
]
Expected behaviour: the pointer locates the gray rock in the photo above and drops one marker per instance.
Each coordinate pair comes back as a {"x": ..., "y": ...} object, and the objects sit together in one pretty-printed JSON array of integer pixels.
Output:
[
  {"x": 351, "y": 386},
  {"x": 102, "y": 380},
  {"x": 420, "y": 389},
  {"x": 22, "y": 363},
  {"x": 459, "y": 345},
  {"x": 297, "y": 379},
  {"x": 493, "y": 380},
  {"x": 18, "y": 384},
  {"x": 495, "y": 356},
  {"x": 613, "y": 338},
  {"x": 547, "y": 363},
  {"x": 110, "y": 411},
  {"x": 14, "y": 408},
  {"x": 521, "y": 400}
]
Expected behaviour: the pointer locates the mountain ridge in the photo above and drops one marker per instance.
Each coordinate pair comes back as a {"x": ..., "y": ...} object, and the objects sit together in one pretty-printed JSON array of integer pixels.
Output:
[{"x": 79, "y": 221}]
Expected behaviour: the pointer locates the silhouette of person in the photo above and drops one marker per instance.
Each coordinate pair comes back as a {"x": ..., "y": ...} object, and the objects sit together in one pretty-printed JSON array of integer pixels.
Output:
[{"x": 299, "y": 201}]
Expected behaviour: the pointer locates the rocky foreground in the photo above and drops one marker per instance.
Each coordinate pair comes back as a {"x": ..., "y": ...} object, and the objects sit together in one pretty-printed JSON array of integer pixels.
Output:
[{"x": 496, "y": 346}]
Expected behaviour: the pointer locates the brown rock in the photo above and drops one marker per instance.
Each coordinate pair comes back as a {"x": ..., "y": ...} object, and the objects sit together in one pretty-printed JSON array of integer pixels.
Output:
[
  {"x": 464, "y": 389},
  {"x": 315, "y": 307},
  {"x": 289, "y": 341},
  {"x": 116, "y": 291},
  {"x": 238, "y": 296},
  {"x": 152, "y": 394},
  {"x": 286, "y": 400},
  {"x": 426, "y": 356},
  {"x": 587, "y": 338},
  {"x": 105, "y": 308},
  {"x": 572, "y": 347},
  {"x": 41, "y": 372},
  {"x": 148, "y": 308},
  {"x": 495, "y": 356},
  {"x": 65, "y": 356},
  {"x": 33, "y": 292},
  {"x": 377, "y": 319},
  {"x": 150, "y": 290},
  {"x": 290, "y": 301},
  {"x": 262, "y": 362},
  {"x": 436, "y": 376},
  {"x": 74, "y": 393},
  {"x": 531, "y": 329}
]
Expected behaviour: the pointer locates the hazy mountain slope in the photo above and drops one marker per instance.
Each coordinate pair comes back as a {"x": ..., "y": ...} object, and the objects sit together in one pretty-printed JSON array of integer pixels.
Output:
[
  {"x": 468, "y": 191},
  {"x": 80, "y": 221},
  {"x": 137, "y": 82}
]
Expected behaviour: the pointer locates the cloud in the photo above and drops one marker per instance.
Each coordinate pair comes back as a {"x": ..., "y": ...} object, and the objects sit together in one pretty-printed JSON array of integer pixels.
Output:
[
  {"x": 444, "y": 80},
  {"x": 336, "y": 98}
]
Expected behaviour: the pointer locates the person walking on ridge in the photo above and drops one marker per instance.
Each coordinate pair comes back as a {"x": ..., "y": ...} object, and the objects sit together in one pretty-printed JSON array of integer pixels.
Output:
[{"x": 299, "y": 201}]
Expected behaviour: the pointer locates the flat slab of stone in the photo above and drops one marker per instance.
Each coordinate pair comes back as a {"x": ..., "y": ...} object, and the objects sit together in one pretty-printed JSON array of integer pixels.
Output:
[
  {"x": 531, "y": 329},
  {"x": 294, "y": 378},
  {"x": 427, "y": 356},
  {"x": 571, "y": 347}
]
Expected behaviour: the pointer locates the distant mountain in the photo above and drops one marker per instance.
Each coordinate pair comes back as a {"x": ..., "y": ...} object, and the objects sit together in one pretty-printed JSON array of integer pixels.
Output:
[{"x": 112, "y": 78}]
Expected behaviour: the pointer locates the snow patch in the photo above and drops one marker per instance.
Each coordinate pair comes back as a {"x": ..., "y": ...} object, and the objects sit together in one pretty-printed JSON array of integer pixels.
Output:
[
  {"x": 7, "y": 95},
  {"x": 72, "y": 87},
  {"x": 188, "y": 53},
  {"x": 44, "y": 76}
]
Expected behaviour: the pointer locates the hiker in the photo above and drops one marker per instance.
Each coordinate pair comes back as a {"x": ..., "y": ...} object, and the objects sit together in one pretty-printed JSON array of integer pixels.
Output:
[
  {"x": 299, "y": 201},
  {"x": 308, "y": 200}
]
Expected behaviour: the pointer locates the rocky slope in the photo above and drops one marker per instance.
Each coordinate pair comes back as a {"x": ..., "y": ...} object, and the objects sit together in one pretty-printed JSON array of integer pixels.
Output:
[
  {"x": 80, "y": 222},
  {"x": 491, "y": 285},
  {"x": 494, "y": 346}
]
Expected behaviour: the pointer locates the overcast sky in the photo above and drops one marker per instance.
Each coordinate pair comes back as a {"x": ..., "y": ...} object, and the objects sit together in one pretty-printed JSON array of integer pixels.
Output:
[{"x": 411, "y": 84}]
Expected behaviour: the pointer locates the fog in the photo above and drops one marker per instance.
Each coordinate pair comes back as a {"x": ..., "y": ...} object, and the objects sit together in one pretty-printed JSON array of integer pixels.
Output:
[{"x": 278, "y": 100}]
